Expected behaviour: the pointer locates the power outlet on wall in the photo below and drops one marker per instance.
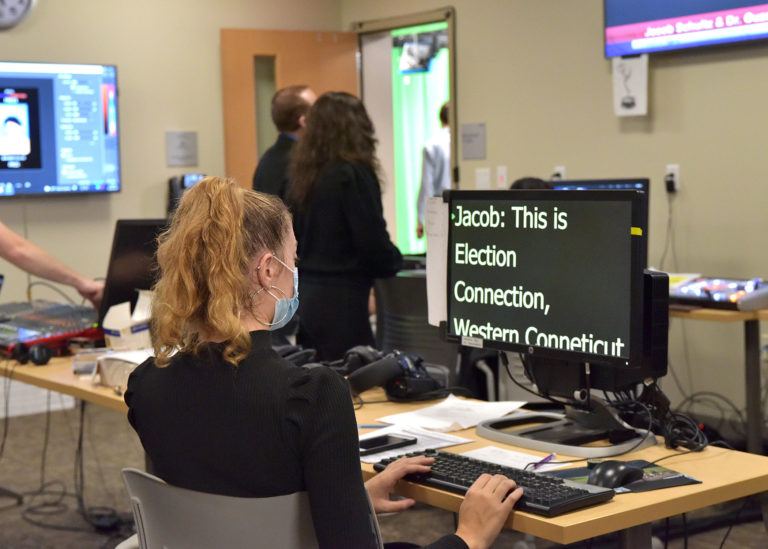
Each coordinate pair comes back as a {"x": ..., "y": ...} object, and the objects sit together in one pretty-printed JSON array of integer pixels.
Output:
[
  {"x": 558, "y": 173},
  {"x": 672, "y": 178}
]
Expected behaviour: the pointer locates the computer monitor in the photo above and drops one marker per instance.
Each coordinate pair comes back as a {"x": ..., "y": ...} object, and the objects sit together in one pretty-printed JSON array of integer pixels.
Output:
[
  {"x": 132, "y": 263},
  {"x": 177, "y": 186},
  {"x": 559, "y": 277},
  {"x": 625, "y": 184}
]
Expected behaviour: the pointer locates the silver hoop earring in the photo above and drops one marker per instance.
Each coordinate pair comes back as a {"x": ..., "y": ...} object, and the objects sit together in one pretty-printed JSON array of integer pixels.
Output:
[{"x": 257, "y": 292}]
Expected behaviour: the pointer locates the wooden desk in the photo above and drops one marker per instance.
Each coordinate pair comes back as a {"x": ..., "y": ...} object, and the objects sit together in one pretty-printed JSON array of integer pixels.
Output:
[
  {"x": 752, "y": 380},
  {"x": 57, "y": 376},
  {"x": 726, "y": 474}
]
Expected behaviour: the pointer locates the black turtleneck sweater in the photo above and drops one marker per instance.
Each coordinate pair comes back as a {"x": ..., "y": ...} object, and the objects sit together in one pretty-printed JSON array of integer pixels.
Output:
[{"x": 263, "y": 428}]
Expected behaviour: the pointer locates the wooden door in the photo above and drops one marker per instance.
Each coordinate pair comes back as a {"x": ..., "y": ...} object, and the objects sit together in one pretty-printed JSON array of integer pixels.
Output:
[{"x": 324, "y": 61}]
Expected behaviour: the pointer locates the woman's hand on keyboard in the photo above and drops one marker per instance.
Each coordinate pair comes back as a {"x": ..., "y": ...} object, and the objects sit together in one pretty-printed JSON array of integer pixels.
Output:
[
  {"x": 485, "y": 509},
  {"x": 380, "y": 486}
]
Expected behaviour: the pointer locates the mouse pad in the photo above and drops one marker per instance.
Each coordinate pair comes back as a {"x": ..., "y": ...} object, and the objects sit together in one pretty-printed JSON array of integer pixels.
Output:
[{"x": 654, "y": 477}]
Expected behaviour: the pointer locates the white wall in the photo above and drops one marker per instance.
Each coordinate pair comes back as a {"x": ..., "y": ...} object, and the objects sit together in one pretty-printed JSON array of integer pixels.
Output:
[
  {"x": 534, "y": 72},
  {"x": 376, "y": 51},
  {"x": 169, "y": 78}
]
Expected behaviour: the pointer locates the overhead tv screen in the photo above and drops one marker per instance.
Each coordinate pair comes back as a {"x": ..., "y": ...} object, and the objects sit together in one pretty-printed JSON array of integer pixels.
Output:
[
  {"x": 58, "y": 129},
  {"x": 645, "y": 26}
]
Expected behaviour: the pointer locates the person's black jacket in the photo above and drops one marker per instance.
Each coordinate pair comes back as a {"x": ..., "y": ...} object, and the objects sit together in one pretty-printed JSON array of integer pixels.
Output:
[
  {"x": 343, "y": 246},
  {"x": 341, "y": 229},
  {"x": 271, "y": 175}
]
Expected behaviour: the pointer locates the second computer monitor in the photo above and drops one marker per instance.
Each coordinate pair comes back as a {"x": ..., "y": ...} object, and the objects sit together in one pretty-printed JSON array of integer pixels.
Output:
[
  {"x": 132, "y": 263},
  {"x": 625, "y": 184}
]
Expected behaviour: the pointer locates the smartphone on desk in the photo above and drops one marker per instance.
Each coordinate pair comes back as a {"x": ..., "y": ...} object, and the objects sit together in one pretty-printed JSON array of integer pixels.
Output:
[{"x": 384, "y": 442}]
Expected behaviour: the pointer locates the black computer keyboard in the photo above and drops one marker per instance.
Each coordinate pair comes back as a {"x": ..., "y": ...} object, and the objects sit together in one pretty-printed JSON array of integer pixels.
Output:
[{"x": 542, "y": 494}]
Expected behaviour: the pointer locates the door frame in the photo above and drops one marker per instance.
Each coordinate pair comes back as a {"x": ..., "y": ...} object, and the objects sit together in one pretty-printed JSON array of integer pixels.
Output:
[
  {"x": 323, "y": 61},
  {"x": 447, "y": 14}
]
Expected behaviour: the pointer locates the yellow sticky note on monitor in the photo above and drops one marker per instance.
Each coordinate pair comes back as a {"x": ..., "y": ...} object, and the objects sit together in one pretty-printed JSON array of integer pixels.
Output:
[{"x": 678, "y": 279}]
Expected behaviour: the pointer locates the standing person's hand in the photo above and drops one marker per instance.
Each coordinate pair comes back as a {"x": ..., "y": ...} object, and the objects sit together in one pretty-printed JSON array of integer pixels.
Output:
[{"x": 92, "y": 290}]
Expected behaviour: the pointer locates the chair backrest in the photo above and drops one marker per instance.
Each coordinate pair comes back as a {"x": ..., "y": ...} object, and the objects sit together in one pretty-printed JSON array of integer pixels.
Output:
[
  {"x": 170, "y": 517},
  {"x": 401, "y": 321}
]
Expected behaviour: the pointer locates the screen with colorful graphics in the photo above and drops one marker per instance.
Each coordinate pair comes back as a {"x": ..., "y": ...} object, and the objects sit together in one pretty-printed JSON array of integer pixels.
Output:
[
  {"x": 645, "y": 26},
  {"x": 58, "y": 129}
]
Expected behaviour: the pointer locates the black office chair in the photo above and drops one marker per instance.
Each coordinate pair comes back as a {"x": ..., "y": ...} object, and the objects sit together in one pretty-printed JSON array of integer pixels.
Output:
[{"x": 401, "y": 321}]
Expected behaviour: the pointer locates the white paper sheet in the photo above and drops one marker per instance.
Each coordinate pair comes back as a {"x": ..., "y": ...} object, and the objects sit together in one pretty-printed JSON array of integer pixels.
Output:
[
  {"x": 511, "y": 458},
  {"x": 436, "y": 218},
  {"x": 424, "y": 441},
  {"x": 453, "y": 414},
  {"x": 473, "y": 141},
  {"x": 483, "y": 179}
]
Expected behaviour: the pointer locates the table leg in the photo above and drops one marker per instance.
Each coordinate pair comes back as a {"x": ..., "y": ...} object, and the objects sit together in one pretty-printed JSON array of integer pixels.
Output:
[
  {"x": 637, "y": 537},
  {"x": 753, "y": 385}
]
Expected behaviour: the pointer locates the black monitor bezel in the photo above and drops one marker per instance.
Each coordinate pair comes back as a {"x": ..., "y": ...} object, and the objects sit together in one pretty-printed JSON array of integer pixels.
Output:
[
  {"x": 637, "y": 257},
  {"x": 121, "y": 226}
]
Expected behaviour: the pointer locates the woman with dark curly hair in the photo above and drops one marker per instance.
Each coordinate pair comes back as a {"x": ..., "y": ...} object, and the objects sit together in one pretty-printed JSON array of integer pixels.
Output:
[{"x": 343, "y": 241}]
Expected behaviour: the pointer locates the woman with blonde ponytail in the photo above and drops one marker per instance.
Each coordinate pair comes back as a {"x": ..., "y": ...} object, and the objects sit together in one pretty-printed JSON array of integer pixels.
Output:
[
  {"x": 206, "y": 291},
  {"x": 218, "y": 410}
]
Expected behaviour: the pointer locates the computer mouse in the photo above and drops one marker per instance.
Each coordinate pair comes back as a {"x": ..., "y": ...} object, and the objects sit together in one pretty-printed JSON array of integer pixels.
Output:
[{"x": 614, "y": 473}]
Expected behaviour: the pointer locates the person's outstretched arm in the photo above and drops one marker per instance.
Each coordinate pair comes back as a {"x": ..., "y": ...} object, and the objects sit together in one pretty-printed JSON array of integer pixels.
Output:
[{"x": 34, "y": 260}]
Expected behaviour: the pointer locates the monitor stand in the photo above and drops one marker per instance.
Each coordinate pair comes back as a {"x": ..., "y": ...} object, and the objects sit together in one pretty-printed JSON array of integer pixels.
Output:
[{"x": 569, "y": 433}]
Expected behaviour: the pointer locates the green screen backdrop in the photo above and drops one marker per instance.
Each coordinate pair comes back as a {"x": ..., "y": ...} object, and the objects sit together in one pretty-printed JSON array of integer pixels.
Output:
[{"x": 416, "y": 101}]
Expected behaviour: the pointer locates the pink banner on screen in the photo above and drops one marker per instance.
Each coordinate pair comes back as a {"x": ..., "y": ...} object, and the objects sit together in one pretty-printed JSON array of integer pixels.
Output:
[{"x": 689, "y": 23}]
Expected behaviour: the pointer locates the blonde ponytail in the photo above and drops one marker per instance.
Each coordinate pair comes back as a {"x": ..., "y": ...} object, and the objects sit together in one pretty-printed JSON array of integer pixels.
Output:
[{"x": 203, "y": 257}]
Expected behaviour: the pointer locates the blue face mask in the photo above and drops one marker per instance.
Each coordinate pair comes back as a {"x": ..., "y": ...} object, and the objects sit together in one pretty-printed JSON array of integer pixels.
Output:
[{"x": 284, "y": 308}]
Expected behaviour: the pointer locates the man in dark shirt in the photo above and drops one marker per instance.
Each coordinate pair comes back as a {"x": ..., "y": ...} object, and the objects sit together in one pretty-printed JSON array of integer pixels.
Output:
[{"x": 289, "y": 113}]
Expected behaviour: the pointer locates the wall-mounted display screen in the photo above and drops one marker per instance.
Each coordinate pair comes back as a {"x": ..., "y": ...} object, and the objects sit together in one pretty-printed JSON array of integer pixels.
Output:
[
  {"x": 58, "y": 129},
  {"x": 634, "y": 27}
]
